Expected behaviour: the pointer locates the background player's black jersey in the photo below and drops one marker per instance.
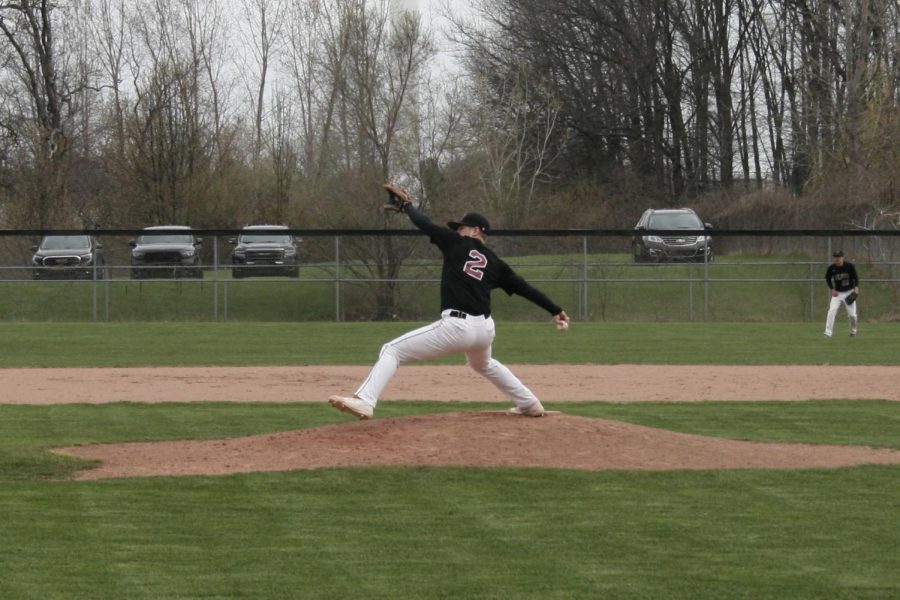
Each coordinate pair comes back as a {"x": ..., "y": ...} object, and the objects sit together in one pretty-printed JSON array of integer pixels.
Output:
[
  {"x": 842, "y": 278},
  {"x": 471, "y": 270}
]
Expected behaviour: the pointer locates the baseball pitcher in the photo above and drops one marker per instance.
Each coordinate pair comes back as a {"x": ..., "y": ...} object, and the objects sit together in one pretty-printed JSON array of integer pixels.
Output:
[{"x": 470, "y": 272}]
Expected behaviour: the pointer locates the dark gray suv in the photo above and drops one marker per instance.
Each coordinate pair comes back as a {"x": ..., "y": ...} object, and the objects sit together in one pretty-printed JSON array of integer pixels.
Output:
[
  {"x": 175, "y": 253},
  {"x": 67, "y": 257},
  {"x": 264, "y": 250},
  {"x": 692, "y": 245}
]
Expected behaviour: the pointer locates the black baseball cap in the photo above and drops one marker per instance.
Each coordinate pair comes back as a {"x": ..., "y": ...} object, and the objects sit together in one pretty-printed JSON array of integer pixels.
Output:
[
  {"x": 837, "y": 253},
  {"x": 471, "y": 219}
]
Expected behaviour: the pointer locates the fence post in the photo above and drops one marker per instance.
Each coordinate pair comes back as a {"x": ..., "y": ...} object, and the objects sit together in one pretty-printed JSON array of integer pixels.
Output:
[
  {"x": 215, "y": 278},
  {"x": 337, "y": 278},
  {"x": 106, "y": 288},
  {"x": 94, "y": 286},
  {"x": 584, "y": 279},
  {"x": 706, "y": 285},
  {"x": 812, "y": 293},
  {"x": 690, "y": 291}
]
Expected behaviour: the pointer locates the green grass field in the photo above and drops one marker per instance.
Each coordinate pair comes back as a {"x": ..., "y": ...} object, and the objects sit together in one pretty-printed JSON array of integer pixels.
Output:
[
  {"x": 603, "y": 288},
  {"x": 447, "y": 532},
  {"x": 198, "y": 344}
]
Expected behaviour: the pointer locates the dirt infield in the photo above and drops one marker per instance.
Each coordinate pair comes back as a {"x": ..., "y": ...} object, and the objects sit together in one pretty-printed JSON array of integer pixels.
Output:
[
  {"x": 488, "y": 438},
  {"x": 552, "y": 383}
]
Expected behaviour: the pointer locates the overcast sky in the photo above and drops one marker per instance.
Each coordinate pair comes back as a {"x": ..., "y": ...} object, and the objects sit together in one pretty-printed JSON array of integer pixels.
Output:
[{"x": 432, "y": 11}]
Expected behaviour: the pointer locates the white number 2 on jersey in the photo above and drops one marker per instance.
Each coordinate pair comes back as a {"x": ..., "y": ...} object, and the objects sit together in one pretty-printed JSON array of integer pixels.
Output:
[{"x": 475, "y": 267}]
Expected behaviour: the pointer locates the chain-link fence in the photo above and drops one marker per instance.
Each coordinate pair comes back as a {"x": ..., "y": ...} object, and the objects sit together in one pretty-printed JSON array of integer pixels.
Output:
[{"x": 342, "y": 275}]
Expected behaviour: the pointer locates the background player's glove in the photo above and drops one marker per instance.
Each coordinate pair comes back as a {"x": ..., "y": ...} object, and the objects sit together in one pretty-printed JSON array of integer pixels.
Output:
[
  {"x": 851, "y": 298},
  {"x": 397, "y": 197}
]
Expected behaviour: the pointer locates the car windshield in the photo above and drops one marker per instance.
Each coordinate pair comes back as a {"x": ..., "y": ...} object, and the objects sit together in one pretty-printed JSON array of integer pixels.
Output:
[
  {"x": 66, "y": 242},
  {"x": 265, "y": 238},
  {"x": 180, "y": 239},
  {"x": 675, "y": 221}
]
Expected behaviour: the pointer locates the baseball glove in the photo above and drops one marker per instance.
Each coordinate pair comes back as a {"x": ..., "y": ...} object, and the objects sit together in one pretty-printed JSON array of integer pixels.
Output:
[
  {"x": 851, "y": 298},
  {"x": 397, "y": 197}
]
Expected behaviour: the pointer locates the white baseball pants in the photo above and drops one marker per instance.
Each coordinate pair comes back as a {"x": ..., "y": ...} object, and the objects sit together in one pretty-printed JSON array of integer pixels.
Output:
[
  {"x": 833, "y": 308},
  {"x": 471, "y": 335}
]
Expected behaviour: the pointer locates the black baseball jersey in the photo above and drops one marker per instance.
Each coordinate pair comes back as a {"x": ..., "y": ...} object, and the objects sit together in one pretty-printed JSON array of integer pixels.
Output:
[
  {"x": 843, "y": 278},
  {"x": 471, "y": 270}
]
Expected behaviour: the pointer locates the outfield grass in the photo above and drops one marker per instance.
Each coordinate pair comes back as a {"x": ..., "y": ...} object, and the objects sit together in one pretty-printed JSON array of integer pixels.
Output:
[
  {"x": 449, "y": 532},
  {"x": 227, "y": 344},
  {"x": 445, "y": 532}
]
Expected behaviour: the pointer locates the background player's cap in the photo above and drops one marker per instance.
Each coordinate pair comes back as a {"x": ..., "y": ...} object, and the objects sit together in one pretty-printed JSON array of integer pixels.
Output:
[
  {"x": 472, "y": 220},
  {"x": 837, "y": 253}
]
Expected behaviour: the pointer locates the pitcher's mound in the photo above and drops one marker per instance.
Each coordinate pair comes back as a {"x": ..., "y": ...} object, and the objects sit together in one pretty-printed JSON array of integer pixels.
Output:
[{"x": 477, "y": 439}]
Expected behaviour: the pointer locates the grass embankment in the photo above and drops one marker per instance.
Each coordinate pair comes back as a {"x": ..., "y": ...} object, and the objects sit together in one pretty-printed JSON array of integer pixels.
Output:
[{"x": 604, "y": 288}]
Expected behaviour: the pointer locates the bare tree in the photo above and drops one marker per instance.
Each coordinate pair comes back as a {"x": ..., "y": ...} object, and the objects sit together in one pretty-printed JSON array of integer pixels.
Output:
[
  {"x": 614, "y": 66},
  {"x": 635, "y": 100},
  {"x": 316, "y": 57},
  {"x": 518, "y": 139},
  {"x": 443, "y": 139},
  {"x": 262, "y": 24},
  {"x": 34, "y": 58},
  {"x": 282, "y": 157},
  {"x": 668, "y": 89},
  {"x": 354, "y": 70},
  {"x": 768, "y": 43},
  {"x": 174, "y": 121},
  {"x": 386, "y": 55},
  {"x": 109, "y": 30}
]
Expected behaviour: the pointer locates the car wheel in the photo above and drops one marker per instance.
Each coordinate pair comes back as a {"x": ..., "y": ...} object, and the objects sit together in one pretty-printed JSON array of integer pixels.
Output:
[
  {"x": 700, "y": 258},
  {"x": 638, "y": 254},
  {"x": 236, "y": 274},
  {"x": 294, "y": 273}
]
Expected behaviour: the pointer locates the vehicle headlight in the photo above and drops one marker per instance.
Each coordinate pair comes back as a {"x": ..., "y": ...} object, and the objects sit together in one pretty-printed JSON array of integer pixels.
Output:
[
  {"x": 240, "y": 253},
  {"x": 290, "y": 251},
  {"x": 137, "y": 254},
  {"x": 86, "y": 259},
  {"x": 701, "y": 238},
  {"x": 188, "y": 253},
  {"x": 654, "y": 238},
  {"x": 37, "y": 260}
]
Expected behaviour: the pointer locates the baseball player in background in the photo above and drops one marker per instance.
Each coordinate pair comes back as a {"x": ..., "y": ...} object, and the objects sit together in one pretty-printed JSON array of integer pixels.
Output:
[
  {"x": 470, "y": 271},
  {"x": 843, "y": 282}
]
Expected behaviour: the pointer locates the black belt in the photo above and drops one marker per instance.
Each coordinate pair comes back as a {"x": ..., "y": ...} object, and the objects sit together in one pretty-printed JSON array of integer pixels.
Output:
[{"x": 461, "y": 315}]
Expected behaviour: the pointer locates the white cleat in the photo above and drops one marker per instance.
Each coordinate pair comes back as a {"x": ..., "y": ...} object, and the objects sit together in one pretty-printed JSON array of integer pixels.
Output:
[
  {"x": 354, "y": 406},
  {"x": 534, "y": 410}
]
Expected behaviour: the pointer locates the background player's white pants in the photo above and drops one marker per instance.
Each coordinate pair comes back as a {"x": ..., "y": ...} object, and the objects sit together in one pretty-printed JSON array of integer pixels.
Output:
[
  {"x": 472, "y": 335},
  {"x": 833, "y": 308}
]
